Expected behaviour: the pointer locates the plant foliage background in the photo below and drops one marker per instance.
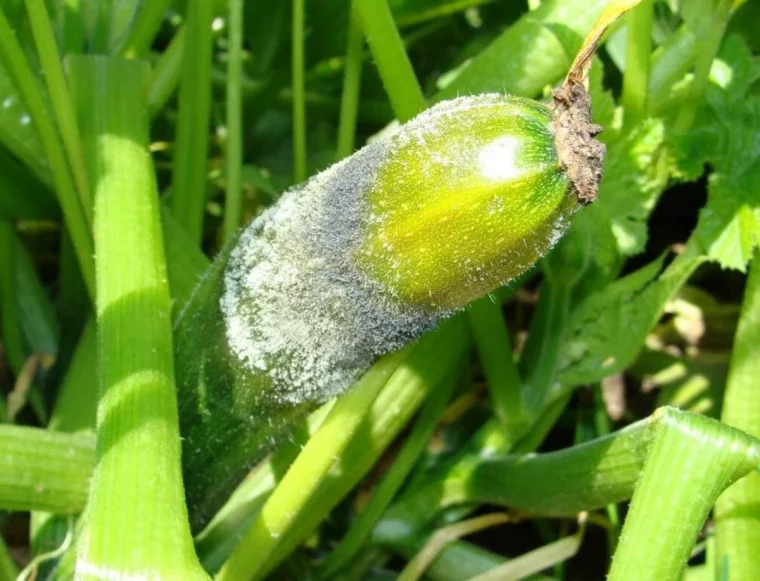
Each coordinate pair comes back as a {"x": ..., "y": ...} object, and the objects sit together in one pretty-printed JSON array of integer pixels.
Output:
[{"x": 638, "y": 307}]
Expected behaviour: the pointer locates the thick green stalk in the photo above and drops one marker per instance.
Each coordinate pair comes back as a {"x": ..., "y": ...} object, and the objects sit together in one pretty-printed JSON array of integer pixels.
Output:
[
  {"x": 306, "y": 474},
  {"x": 300, "y": 170},
  {"x": 413, "y": 446},
  {"x": 42, "y": 470},
  {"x": 28, "y": 86},
  {"x": 143, "y": 30},
  {"x": 693, "y": 459},
  {"x": 737, "y": 511},
  {"x": 233, "y": 159},
  {"x": 390, "y": 57},
  {"x": 433, "y": 360},
  {"x": 352, "y": 77},
  {"x": 60, "y": 99},
  {"x": 76, "y": 404},
  {"x": 637, "y": 63},
  {"x": 495, "y": 352},
  {"x": 190, "y": 167},
  {"x": 137, "y": 497},
  {"x": 558, "y": 483},
  {"x": 217, "y": 541}
]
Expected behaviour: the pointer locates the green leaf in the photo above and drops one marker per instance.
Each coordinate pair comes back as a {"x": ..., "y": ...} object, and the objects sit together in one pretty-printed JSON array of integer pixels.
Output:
[
  {"x": 17, "y": 132},
  {"x": 632, "y": 183},
  {"x": 727, "y": 138},
  {"x": 729, "y": 226},
  {"x": 529, "y": 54},
  {"x": 595, "y": 346}
]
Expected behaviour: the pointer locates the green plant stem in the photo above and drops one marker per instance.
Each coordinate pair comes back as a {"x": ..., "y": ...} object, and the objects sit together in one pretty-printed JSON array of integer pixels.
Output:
[
  {"x": 540, "y": 356},
  {"x": 300, "y": 170},
  {"x": 8, "y": 569},
  {"x": 551, "y": 554},
  {"x": 188, "y": 199},
  {"x": 390, "y": 57},
  {"x": 559, "y": 483},
  {"x": 737, "y": 512},
  {"x": 166, "y": 73},
  {"x": 60, "y": 99},
  {"x": 217, "y": 541},
  {"x": 693, "y": 459},
  {"x": 137, "y": 497},
  {"x": 98, "y": 17},
  {"x": 42, "y": 470},
  {"x": 233, "y": 160},
  {"x": 462, "y": 560},
  {"x": 12, "y": 337},
  {"x": 306, "y": 473},
  {"x": 72, "y": 24},
  {"x": 416, "y": 567},
  {"x": 144, "y": 29},
  {"x": 603, "y": 428},
  {"x": 495, "y": 352},
  {"x": 669, "y": 63},
  {"x": 637, "y": 63},
  {"x": 413, "y": 446},
  {"x": 73, "y": 212},
  {"x": 707, "y": 48},
  {"x": 352, "y": 77},
  {"x": 77, "y": 400},
  {"x": 432, "y": 360}
]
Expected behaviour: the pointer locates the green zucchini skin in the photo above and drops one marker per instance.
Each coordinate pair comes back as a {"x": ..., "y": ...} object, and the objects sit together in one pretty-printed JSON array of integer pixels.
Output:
[
  {"x": 360, "y": 260},
  {"x": 471, "y": 196}
]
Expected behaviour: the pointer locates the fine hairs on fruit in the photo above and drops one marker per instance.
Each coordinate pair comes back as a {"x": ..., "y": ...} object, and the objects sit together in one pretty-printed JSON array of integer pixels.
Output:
[{"x": 297, "y": 304}]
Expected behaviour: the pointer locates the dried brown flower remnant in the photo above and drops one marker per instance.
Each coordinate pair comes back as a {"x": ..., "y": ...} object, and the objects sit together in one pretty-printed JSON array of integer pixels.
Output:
[{"x": 580, "y": 154}]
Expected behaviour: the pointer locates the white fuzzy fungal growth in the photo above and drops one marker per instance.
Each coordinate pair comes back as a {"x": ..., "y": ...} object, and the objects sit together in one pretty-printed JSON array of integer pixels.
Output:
[
  {"x": 301, "y": 308},
  {"x": 296, "y": 306}
]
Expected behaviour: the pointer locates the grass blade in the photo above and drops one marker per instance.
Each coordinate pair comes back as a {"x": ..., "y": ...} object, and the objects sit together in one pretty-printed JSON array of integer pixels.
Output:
[
  {"x": 73, "y": 211},
  {"x": 60, "y": 99}
]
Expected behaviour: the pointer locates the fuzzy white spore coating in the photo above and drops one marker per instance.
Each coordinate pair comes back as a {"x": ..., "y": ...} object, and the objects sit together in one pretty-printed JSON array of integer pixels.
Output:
[{"x": 295, "y": 304}]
